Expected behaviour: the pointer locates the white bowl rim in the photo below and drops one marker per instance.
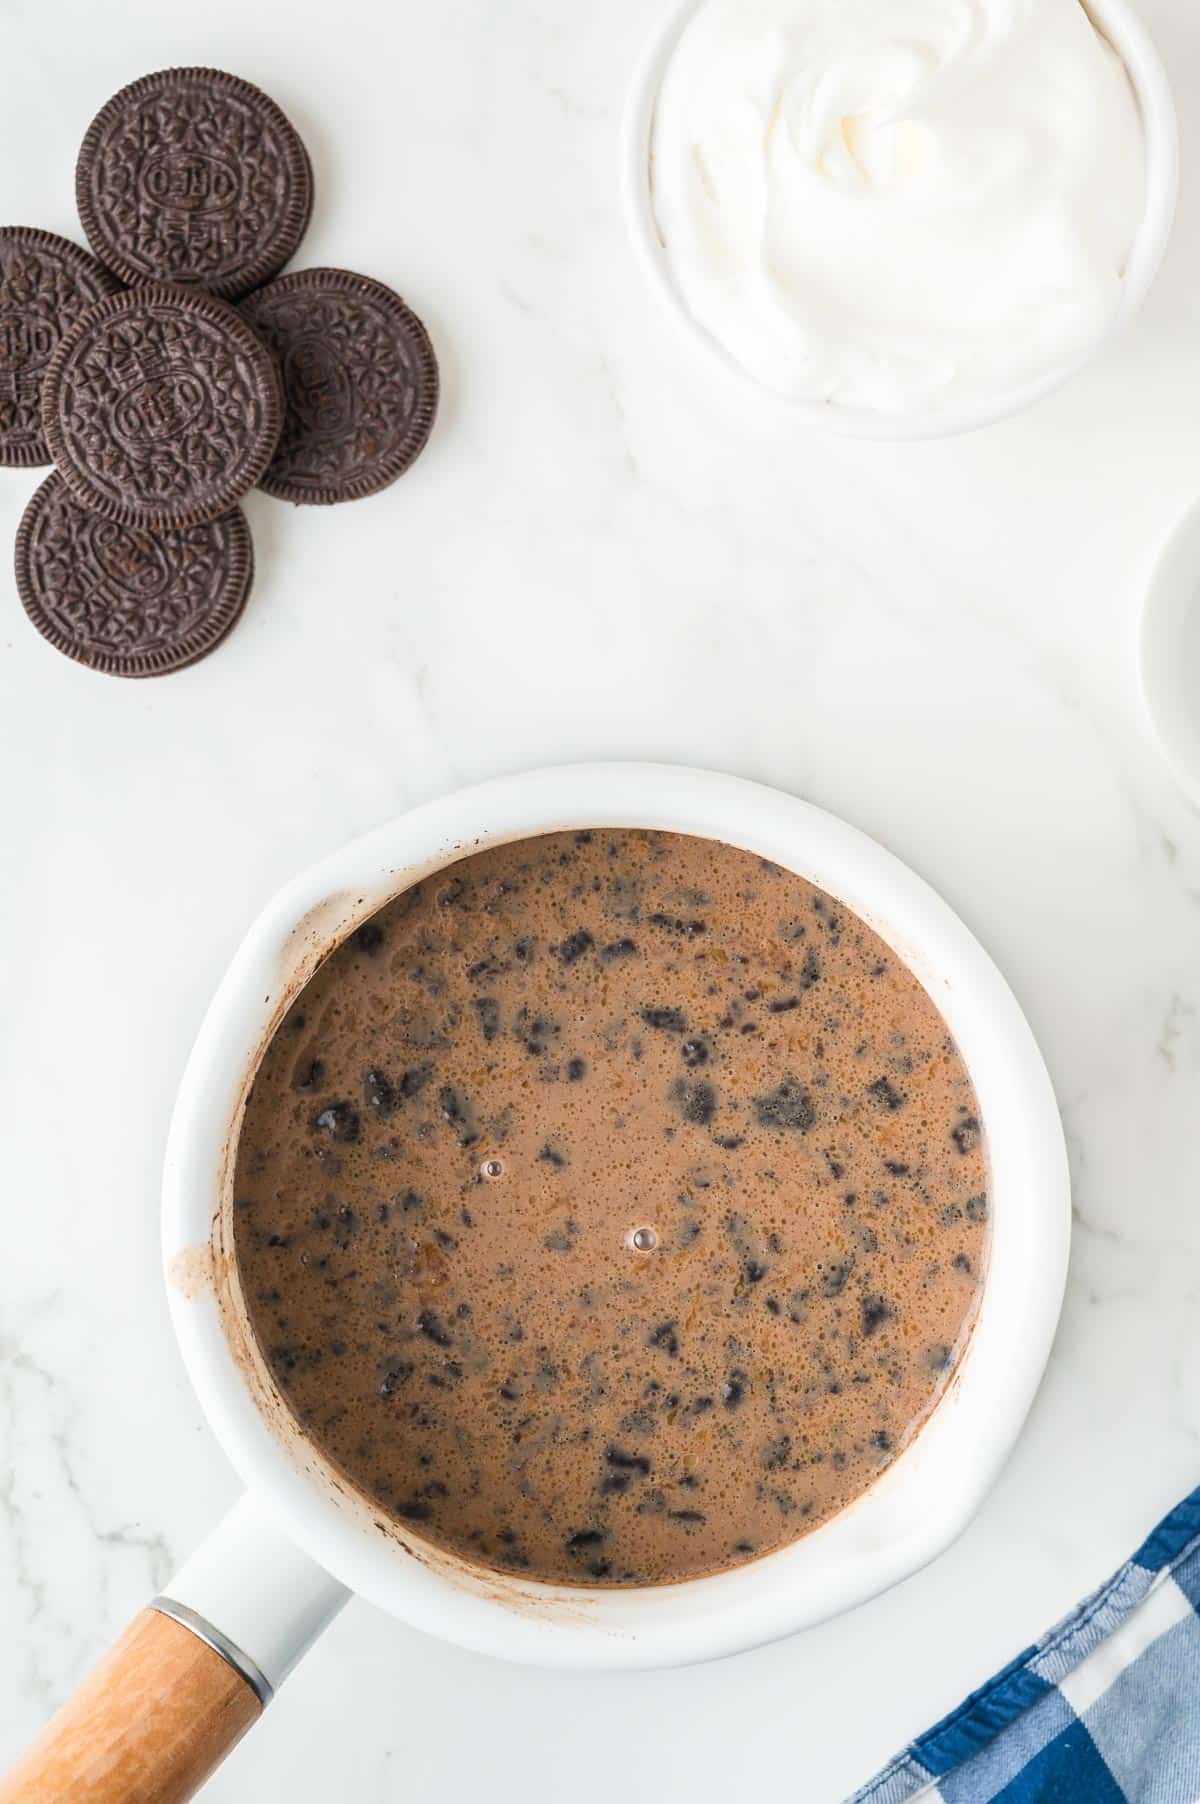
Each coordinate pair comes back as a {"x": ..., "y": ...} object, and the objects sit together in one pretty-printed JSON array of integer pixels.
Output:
[
  {"x": 1118, "y": 22},
  {"x": 929, "y": 1494}
]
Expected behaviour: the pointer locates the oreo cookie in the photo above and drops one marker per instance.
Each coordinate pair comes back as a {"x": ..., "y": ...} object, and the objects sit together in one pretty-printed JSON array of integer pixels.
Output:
[
  {"x": 194, "y": 177},
  {"x": 46, "y": 283},
  {"x": 161, "y": 408},
  {"x": 124, "y": 600},
  {"x": 360, "y": 382}
]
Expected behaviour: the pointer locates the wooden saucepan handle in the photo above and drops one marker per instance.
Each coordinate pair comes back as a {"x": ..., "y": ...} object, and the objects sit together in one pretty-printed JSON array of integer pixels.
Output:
[
  {"x": 189, "y": 1676},
  {"x": 157, "y": 1716}
]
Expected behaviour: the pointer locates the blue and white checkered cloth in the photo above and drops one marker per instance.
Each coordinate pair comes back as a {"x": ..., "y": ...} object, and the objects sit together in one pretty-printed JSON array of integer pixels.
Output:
[{"x": 1105, "y": 1709}]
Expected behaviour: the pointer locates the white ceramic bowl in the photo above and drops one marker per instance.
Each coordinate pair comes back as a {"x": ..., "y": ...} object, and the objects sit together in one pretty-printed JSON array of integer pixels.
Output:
[
  {"x": 913, "y": 1511},
  {"x": 1169, "y": 652},
  {"x": 1119, "y": 23}
]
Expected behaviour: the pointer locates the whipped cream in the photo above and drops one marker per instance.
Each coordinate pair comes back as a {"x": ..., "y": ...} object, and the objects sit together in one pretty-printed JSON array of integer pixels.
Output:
[{"x": 898, "y": 204}]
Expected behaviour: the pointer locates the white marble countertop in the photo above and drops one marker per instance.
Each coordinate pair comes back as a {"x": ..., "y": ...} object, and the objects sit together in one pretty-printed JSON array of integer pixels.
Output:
[{"x": 599, "y": 555}]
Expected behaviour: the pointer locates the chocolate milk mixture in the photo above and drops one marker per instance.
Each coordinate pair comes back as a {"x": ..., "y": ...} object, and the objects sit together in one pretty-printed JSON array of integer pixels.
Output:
[{"x": 611, "y": 1207}]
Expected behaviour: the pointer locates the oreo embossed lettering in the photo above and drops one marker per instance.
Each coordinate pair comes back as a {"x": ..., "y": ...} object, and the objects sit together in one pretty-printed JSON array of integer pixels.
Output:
[
  {"x": 161, "y": 407},
  {"x": 191, "y": 181},
  {"x": 317, "y": 385},
  {"x": 26, "y": 342},
  {"x": 132, "y": 564}
]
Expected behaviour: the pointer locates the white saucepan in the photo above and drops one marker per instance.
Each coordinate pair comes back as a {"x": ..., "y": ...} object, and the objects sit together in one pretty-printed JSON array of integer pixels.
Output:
[{"x": 193, "y": 1671}]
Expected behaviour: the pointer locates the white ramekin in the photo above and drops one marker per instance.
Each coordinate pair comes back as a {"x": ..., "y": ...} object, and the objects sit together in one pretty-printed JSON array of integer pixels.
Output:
[
  {"x": 1117, "y": 21},
  {"x": 914, "y": 1510}
]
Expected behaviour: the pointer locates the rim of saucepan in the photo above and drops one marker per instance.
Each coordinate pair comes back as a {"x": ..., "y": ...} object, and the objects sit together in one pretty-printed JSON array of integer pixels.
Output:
[
  {"x": 1121, "y": 25},
  {"x": 919, "y": 1505}
]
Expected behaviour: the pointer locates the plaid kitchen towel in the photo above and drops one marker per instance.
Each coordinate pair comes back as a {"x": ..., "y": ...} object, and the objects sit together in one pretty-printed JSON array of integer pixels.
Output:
[{"x": 1105, "y": 1709}]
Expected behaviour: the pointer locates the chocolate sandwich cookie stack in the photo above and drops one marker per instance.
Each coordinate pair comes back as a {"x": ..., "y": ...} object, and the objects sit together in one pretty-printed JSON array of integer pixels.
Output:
[{"x": 171, "y": 373}]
